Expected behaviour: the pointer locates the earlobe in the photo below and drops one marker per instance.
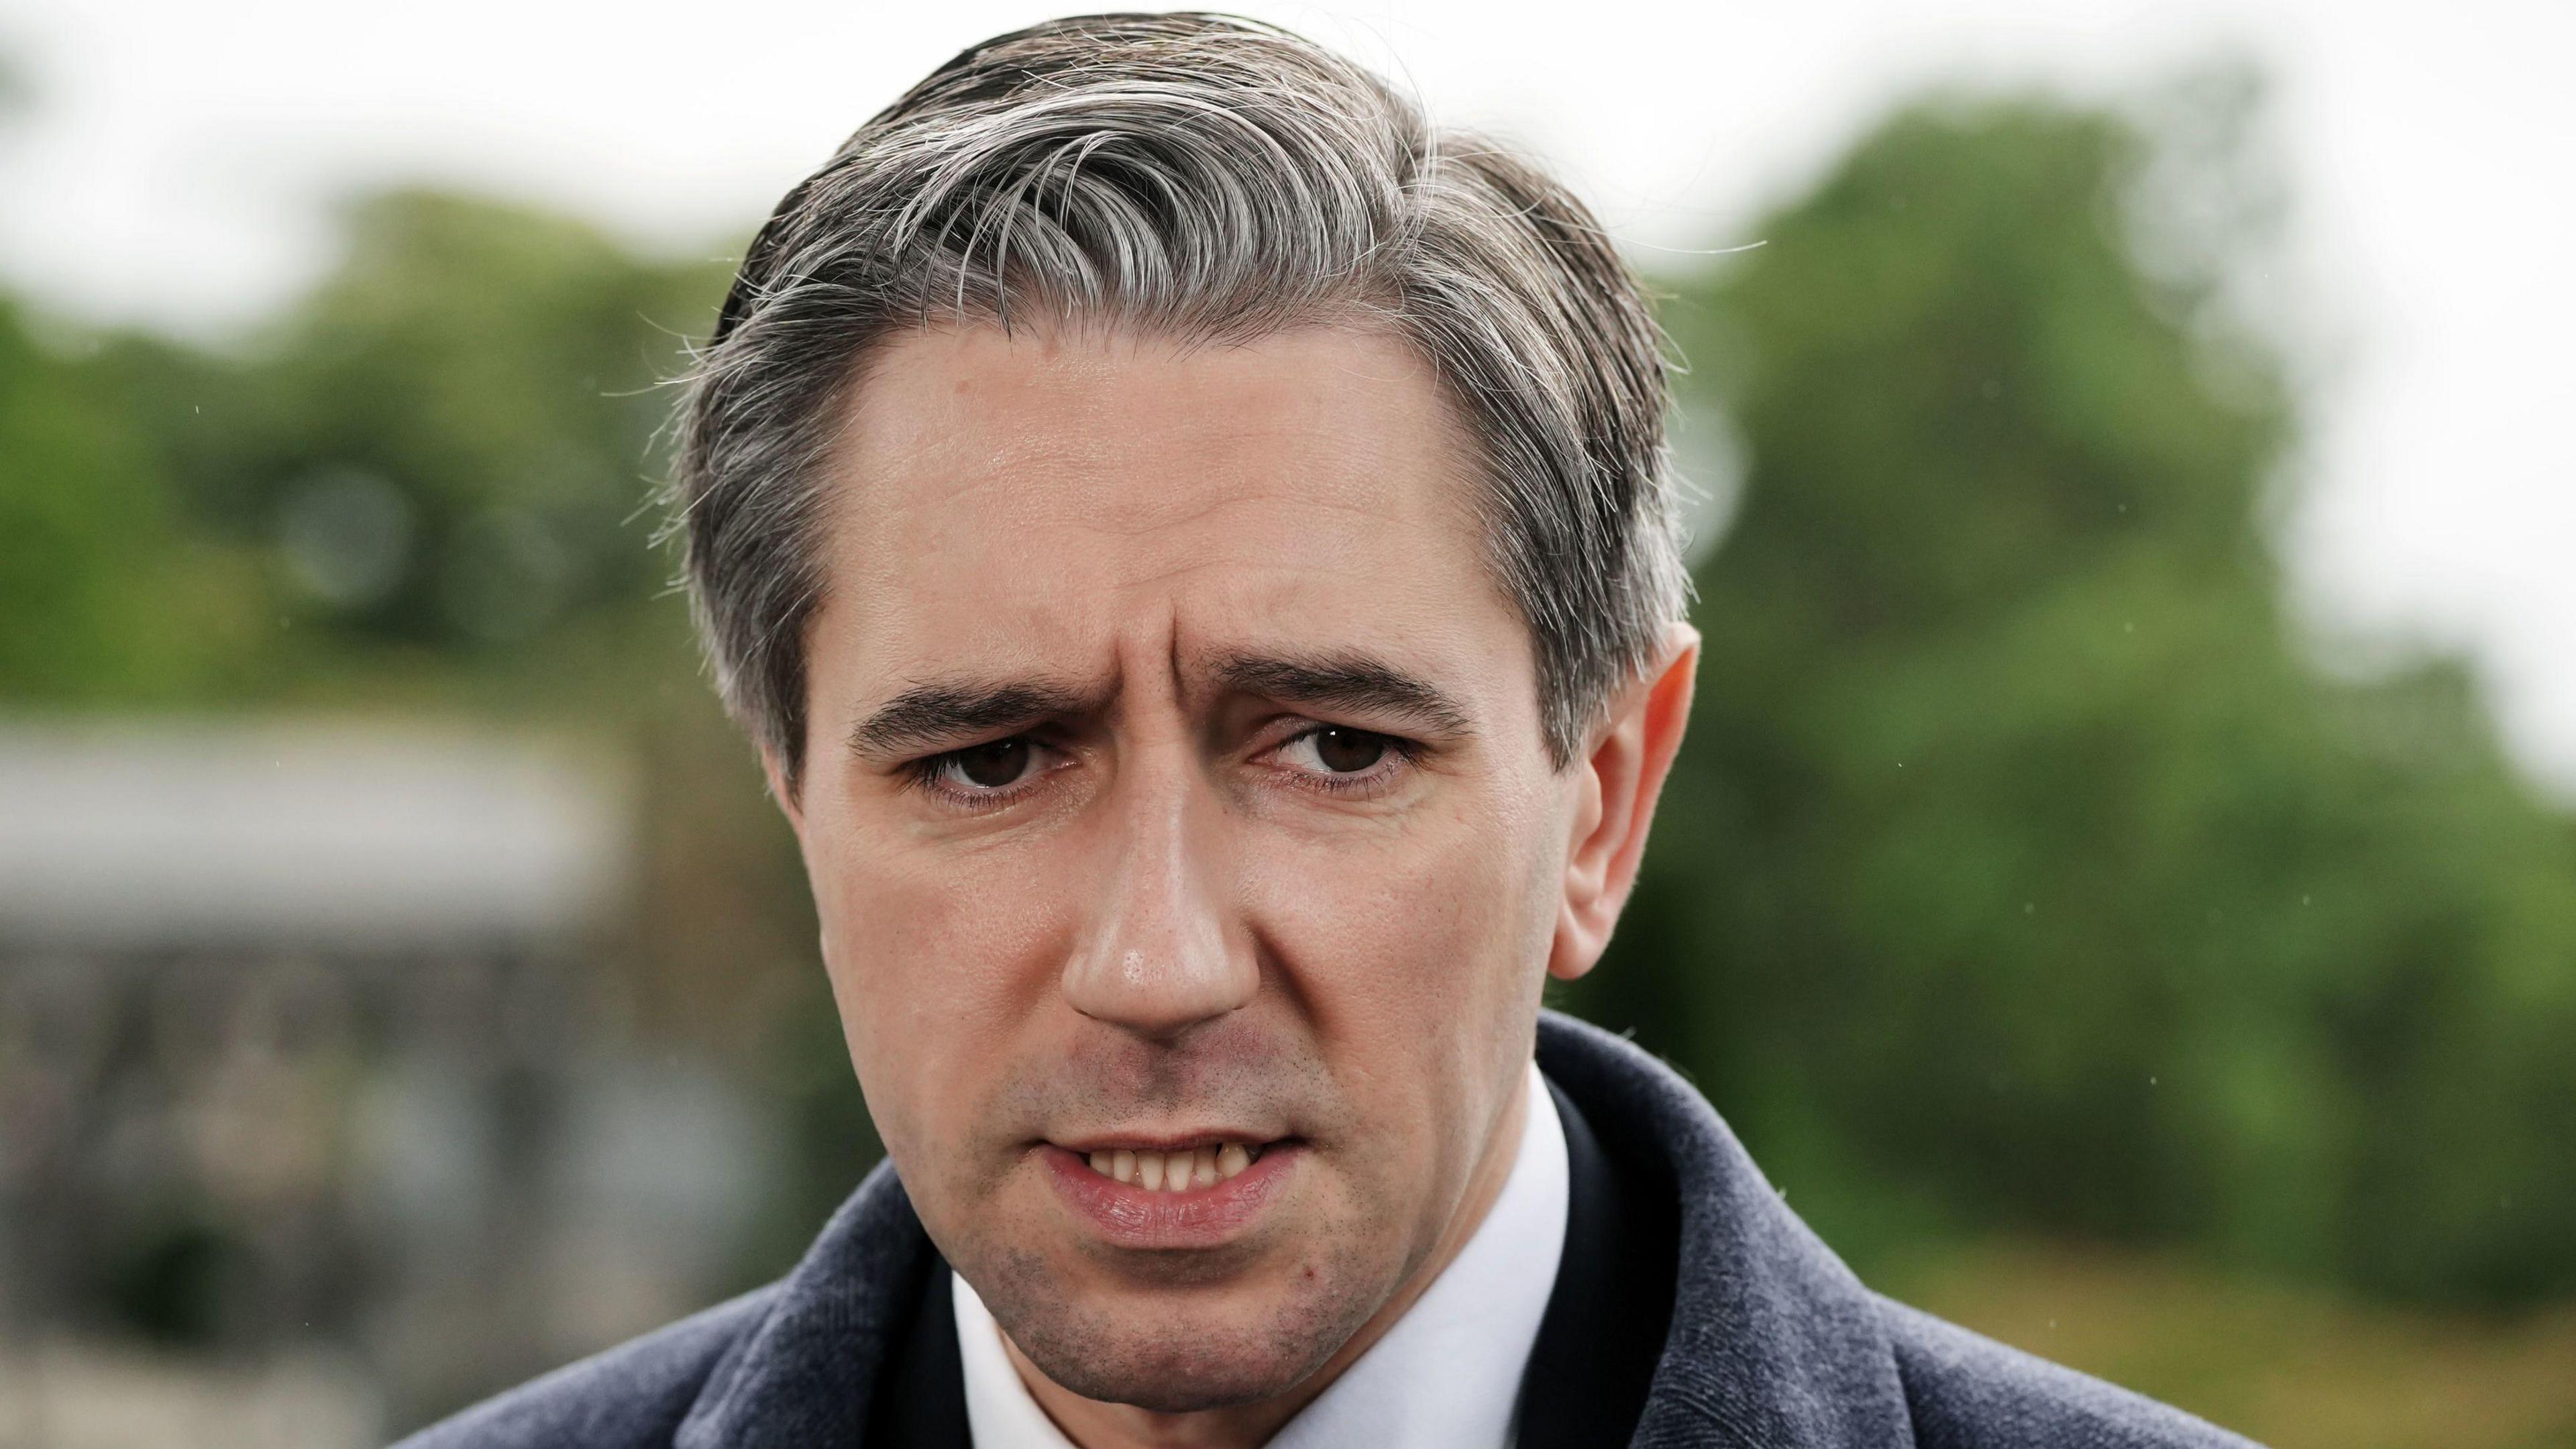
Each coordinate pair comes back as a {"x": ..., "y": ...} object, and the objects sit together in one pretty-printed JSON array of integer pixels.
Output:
[{"x": 1632, "y": 753}]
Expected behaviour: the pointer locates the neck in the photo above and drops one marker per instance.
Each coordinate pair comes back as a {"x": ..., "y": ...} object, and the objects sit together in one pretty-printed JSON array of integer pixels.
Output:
[{"x": 1093, "y": 1424}]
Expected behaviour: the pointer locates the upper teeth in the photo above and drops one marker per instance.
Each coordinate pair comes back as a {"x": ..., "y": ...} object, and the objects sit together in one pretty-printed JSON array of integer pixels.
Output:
[{"x": 1177, "y": 1171}]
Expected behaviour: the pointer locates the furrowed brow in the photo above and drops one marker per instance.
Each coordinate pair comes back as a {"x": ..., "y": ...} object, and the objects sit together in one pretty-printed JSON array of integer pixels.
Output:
[
  {"x": 1348, "y": 681},
  {"x": 950, "y": 712}
]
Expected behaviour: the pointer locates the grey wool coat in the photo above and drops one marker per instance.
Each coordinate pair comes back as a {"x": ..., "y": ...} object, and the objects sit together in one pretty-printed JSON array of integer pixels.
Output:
[{"x": 1766, "y": 1340}]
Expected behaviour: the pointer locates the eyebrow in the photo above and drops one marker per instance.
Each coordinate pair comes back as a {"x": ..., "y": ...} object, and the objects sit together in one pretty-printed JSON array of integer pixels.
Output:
[
  {"x": 1347, "y": 681},
  {"x": 939, "y": 712}
]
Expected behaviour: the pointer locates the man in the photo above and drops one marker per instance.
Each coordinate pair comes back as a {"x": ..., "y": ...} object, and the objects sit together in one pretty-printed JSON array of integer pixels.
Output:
[{"x": 1193, "y": 545}]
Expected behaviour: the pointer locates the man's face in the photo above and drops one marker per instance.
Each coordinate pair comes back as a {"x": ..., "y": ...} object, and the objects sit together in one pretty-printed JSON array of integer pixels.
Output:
[{"x": 1174, "y": 781}]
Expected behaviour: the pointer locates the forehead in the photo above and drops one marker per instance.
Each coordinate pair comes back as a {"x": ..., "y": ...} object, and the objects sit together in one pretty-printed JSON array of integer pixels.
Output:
[{"x": 1047, "y": 500}]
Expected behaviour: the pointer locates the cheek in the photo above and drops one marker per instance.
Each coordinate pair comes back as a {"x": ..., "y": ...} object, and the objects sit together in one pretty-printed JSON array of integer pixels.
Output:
[
  {"x": 1418, "y": 955},
  {"x": 933, "y": 962}
]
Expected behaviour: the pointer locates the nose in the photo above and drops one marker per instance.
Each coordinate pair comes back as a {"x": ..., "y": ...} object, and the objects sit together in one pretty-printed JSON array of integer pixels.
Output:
[{"x": 1156, "y": 955}]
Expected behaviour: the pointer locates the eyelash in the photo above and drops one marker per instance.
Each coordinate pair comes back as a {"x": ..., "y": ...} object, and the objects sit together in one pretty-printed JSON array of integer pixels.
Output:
[
  {"x": 928, "y": 773},
  {"x": 1403, "y": 752}
]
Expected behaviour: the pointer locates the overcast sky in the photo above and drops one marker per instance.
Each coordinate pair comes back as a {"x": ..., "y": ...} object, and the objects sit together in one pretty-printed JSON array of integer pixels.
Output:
[{"x": 176, "y": 163}]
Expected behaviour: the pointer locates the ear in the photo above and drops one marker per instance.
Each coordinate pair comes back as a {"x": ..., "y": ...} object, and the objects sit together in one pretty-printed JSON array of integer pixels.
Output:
[
  {"x": 1616, "y": 783},
  {"x": 782, "y": 792}
]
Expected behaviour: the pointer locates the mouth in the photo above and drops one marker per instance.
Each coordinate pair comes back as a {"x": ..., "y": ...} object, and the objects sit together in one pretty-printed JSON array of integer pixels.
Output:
[
  {"x": 1178, "y": 1169},
  {"x": 1166, "y": 1194}
]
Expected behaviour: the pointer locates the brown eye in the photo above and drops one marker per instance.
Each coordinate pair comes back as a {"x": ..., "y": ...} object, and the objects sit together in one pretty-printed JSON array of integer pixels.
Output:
[
  {"x": 992, "y": 766},
  {"x": 1347, "y": 751}
]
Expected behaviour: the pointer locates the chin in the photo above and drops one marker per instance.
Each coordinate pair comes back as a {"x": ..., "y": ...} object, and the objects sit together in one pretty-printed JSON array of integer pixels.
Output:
[
  {"x": 1187, "y": 1349},
  {"x": 1179, "y": 1367}
]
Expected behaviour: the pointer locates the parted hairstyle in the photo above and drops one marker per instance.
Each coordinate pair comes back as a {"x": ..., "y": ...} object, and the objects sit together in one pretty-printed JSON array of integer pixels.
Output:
[{"x": 1208, "y": 179}]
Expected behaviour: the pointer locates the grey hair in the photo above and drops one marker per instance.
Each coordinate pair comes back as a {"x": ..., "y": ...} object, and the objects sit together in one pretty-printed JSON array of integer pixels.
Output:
[{"x": 1213, "y": 179}]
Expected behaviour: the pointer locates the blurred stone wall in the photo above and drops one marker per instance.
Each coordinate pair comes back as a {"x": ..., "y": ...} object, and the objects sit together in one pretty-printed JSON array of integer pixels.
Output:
[{"x": 319, "y": 1115}]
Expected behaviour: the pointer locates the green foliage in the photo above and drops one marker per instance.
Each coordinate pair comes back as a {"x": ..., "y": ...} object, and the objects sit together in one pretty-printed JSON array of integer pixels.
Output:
[
  {"x": 102, "y": 599},
  {"x": 2019, "y": 870},
  {"x": 445, "y": 448}
]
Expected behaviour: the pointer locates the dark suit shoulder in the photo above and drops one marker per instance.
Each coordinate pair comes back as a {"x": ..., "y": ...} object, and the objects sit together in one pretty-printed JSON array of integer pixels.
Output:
[
  {"x": 632, "y": 1396},
  {"x": 1970, "y": 1392}
]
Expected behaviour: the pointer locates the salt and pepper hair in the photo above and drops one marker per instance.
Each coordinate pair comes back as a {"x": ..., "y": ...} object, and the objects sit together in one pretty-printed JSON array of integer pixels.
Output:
[{"x": 1208, "y": 179}]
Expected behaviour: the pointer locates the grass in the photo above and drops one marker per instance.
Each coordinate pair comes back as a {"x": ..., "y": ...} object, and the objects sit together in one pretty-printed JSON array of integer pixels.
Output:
[{"x": 2290, "y": 1365}]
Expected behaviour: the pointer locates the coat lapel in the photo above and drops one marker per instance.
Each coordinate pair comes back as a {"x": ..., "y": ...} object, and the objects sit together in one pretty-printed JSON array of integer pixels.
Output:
[
  {"x": 808, "y": 1372},
  {"x": 1773, "y": 1343}
]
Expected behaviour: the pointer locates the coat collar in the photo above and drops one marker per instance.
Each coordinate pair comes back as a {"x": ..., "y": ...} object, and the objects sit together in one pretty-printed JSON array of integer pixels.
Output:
[
  {"x": 1773, "y": 1342},
  {"x": 804, "y": 1373}
]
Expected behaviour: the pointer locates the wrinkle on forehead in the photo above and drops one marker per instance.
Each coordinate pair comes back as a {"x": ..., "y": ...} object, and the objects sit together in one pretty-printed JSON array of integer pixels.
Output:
[{"x": 927, "y": 712}]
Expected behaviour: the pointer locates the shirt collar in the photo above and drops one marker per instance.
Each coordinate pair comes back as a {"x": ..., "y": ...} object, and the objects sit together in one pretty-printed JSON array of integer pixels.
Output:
[{"x": 1447, "y": 1374}]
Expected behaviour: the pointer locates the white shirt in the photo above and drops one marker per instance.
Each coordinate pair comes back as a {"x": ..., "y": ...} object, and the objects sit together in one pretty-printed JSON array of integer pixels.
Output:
[{"x": 1447, "y": 1375}]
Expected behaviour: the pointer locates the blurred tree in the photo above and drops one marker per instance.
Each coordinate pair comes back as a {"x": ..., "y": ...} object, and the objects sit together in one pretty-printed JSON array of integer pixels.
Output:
[
  {"x": 102, "y": 599},
  {"x": 2019, "y": 872},
  {"x": 435, "y": 474},
  {"x": 446, "y": 445}
]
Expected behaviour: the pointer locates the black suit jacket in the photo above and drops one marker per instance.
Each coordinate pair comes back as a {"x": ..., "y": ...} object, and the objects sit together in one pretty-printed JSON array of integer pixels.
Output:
[{"x": 1692, "y": 1308}]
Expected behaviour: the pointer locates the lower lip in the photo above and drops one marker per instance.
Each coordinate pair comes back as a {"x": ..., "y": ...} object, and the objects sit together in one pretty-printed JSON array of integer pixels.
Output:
[{"x": 1203, "y": 1217}]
